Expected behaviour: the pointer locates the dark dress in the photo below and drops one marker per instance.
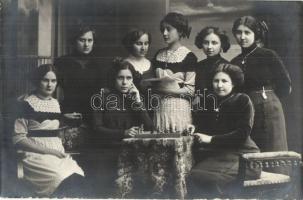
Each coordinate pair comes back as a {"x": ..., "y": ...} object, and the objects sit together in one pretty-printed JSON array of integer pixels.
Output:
[
  {"x": 111, "y": 122},
  {"x": 109, "y": 127},
  {"x": 80, "y": 76},
  {"x": 204, "y": 71},
  {"x": 217, "y": 163},
  {"x": 263, "y": 68}
]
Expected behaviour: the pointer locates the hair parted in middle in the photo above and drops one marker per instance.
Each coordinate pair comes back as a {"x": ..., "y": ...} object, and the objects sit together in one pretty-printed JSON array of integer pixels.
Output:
[
  {"x": 38, "y": 73},
  {"x": 259, "y": 28},
  {"x": 225, "y": 44},
  {"x": 132, "y": 36},
  {"x": 119, "y": 64},
  {"x": 235, "y": 73}
]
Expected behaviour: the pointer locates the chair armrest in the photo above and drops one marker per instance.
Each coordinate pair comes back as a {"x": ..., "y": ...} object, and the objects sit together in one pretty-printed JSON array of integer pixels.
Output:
[
  {"x": 272, "y": 155},
  {"x": 269, "y": 160}
]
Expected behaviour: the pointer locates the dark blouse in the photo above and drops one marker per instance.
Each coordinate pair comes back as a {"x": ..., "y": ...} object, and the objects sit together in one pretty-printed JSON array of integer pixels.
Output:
[
  {"x": 263, "y": 67},
  {"x": 110, "y": 123},
  {"x": 204, "y": 71},
  {"x": 80, "y": 76},
  {"x": 230, "y": 125}
]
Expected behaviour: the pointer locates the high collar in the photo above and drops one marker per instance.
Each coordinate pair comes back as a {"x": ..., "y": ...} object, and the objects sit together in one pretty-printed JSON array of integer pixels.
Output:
[
  {"x": 213, "y": 59},
  {"x": 225, "y": 98},
  {"x": 82, "y": 55},
  {"x": 249, "y": 49}
]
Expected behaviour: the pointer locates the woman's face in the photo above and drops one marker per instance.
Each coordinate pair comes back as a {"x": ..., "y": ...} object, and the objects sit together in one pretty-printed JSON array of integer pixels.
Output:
[
  {"x": 140, "y": 47},
  {"x": 124, "y": 80},
  {"x": 47, "y": 84},
  {"x": 222, "y": 84},
  {"x": 170, "y": 33},
  {"x": 244, "y": 36},
  {"x": 211, "y": 45},
  {"x": 85, "y": 42}
]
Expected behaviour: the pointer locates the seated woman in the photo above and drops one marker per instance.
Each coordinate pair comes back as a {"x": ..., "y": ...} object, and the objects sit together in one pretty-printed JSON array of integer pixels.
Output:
[
  {"x": 122, "y": 115},
  {"x": 48, "y": 169},
  {"x": 224, "y": 136}
]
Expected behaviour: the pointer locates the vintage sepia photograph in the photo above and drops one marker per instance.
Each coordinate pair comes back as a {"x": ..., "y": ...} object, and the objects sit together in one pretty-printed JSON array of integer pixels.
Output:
[{"x": 151, "y": 99}]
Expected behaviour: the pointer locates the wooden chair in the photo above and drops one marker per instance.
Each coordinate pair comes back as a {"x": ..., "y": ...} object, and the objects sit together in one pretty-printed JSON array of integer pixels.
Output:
[{"x": 271, "y": 185}]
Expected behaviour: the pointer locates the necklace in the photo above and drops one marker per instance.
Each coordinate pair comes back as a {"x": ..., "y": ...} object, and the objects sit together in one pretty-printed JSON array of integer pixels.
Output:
[
  {"x": 218, "y": 108},
  {"x": 245, "y": 57}
]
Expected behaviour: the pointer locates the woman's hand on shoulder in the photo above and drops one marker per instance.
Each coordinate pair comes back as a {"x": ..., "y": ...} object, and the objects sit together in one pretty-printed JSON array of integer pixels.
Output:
[{"x": 202, "y": 138}]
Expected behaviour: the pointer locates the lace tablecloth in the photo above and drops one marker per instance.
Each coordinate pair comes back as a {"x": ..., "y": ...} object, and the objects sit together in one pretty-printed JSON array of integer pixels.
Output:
[{"x": 154, "y": 167}]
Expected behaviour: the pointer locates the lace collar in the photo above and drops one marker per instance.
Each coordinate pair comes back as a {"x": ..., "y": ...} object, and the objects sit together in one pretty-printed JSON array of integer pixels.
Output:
[
  {"x": 172, "y": 56},
  {"x": 40, "y": 105}
]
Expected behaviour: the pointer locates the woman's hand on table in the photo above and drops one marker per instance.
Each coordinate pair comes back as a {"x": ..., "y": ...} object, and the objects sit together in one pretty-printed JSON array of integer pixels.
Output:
[
  {"x": 131, "y": 132},
  {"x": 202, "y": 138},
  {"x": 73, "y": 115},
  {"x": 190, "y": 129}
]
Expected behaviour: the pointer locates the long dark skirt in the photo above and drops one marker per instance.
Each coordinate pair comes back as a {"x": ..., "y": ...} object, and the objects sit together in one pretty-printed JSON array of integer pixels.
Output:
[
  {"x": 215, "y": 172},
  {"x": 269, "y": 130}
]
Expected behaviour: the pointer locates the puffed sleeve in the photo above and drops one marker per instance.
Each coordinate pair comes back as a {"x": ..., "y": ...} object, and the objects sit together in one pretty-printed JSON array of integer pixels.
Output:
[
  {"x": 20, "y": 130},
  {"x": 280, "y": 76},
  {"x": 190, "y": 75}
]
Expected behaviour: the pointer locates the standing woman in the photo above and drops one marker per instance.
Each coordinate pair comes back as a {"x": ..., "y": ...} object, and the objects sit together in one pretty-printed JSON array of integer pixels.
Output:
[
  {"x": 212, "y": 41},
  {"x": 266, "y": 80},
  {"x": 137, "y": 44},
  {"x": 80, "y": 74},
  {"x": 177, "y": 62}
]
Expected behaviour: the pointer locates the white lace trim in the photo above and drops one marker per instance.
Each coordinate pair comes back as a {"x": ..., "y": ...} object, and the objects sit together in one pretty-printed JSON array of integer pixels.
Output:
[
  {"x": 141, "y": 67},
  {"x": 39, "y": 105},
  {"x": 171, "y": 56}
]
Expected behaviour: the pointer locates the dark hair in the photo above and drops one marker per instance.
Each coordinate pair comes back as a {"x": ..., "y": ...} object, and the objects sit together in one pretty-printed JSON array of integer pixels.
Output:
[
  {"x": 38, "y": 73},
  {"x": 235, "y": 73},
  {"x": 178, "y": 21},
  {"x": 81, "y": 30},
  {"x": 132, "y": 36},
  {"x": 225, "y": 44},
  {"x": 259, "y": 28},
  {"x": 119, "y": 64}
]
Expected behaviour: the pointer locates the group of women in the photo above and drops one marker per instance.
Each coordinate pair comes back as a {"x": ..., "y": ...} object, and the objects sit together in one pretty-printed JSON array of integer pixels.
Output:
[{"x": 247, "y": 91}]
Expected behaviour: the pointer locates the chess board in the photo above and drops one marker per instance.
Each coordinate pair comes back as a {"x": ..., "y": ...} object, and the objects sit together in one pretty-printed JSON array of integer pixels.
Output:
[{"x": 148, "y": 134}]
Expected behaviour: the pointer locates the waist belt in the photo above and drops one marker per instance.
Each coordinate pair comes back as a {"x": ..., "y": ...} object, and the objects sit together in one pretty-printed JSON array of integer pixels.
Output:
[
  {"x": 44, "y": 133},
  {"x": 261, "y": 88}
]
